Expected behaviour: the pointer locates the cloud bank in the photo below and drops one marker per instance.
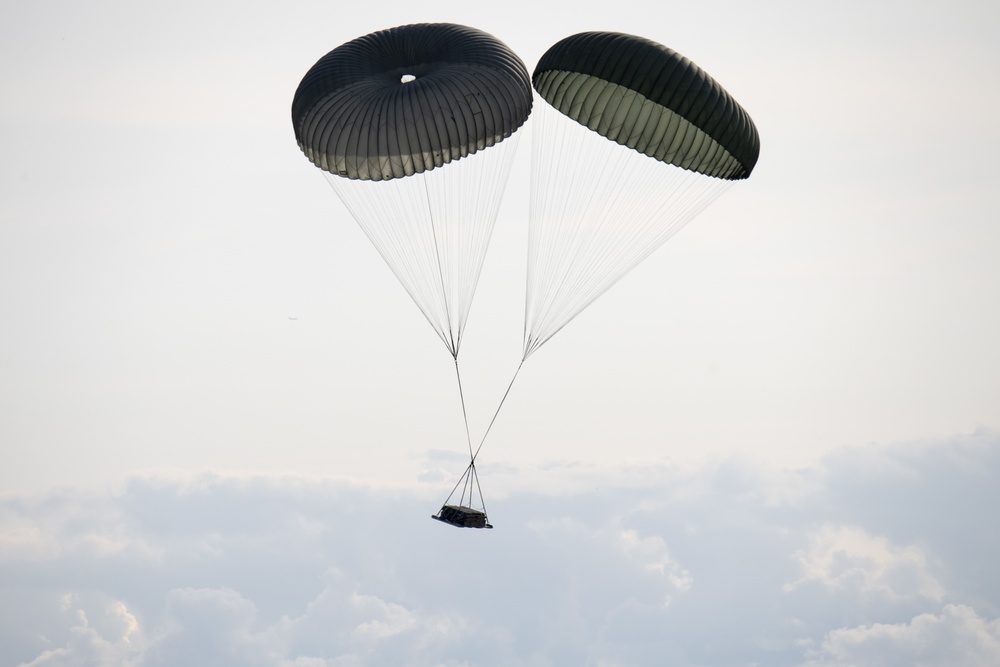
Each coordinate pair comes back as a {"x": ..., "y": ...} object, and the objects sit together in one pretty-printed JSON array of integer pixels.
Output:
[{"x": 882, "y": 555}]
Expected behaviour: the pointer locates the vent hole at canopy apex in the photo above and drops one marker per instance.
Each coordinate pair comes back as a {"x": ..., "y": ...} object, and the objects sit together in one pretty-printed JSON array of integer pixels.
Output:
[{"x": 406, "y": 78}]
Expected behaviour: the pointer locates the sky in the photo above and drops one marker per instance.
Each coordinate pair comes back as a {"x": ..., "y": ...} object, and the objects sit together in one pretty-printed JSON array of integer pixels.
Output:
[{"x": 224, "y": 424}]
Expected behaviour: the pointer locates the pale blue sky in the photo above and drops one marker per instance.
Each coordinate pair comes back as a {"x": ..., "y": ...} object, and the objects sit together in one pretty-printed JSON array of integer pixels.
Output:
[{"x": 159, "y": 227}]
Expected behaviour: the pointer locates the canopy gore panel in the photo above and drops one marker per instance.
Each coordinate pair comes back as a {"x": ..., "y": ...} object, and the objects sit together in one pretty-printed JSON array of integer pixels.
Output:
[{"x": 462, "y": 517}]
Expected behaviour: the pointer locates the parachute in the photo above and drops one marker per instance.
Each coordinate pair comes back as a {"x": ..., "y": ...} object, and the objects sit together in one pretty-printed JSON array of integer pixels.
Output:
[
  {"x": 415, "y": 128},
  {"x": 632, "y": 142}
]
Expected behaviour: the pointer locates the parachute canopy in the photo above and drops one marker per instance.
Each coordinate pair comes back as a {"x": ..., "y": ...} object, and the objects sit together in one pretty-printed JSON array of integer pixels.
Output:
[
  {"x": 650, "y": 98},
  {"x": 408, "y": 99}
]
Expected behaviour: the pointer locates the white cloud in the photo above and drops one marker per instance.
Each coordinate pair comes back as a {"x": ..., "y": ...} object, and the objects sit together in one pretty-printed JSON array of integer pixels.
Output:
[
  {"x": 653, "y": 556},
  {"x": 63, "y": 525},
  {"x": 956, "y": 636},
  {"x": 645, "y": 557},
  {"x": 849, "y": 558},
  {"x": 210, "y": 626},
  {"x": 728, "y": 564},
  {"x": 341, "y": 626},
  {"x": 113, "y": 638}
]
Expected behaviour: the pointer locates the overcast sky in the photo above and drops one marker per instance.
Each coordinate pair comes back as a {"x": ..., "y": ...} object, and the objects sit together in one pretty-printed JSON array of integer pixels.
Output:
[{"x": 223, "y": 423}]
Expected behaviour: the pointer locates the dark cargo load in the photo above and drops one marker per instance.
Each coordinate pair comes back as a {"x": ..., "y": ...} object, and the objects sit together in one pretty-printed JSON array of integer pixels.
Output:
[{"x": 463, "y": 517}]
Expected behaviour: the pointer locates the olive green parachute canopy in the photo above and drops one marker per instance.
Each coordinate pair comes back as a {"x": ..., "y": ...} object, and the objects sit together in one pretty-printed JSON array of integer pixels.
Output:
[
  {"x": 405, "y": 100},
  {"x": 645, "y": 96}
]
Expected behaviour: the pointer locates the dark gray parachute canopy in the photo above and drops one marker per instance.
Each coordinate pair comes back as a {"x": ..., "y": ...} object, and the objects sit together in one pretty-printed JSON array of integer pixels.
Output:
[
  {"x": 650, "y": 98},
  {"x": 405, "y": 100}
]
